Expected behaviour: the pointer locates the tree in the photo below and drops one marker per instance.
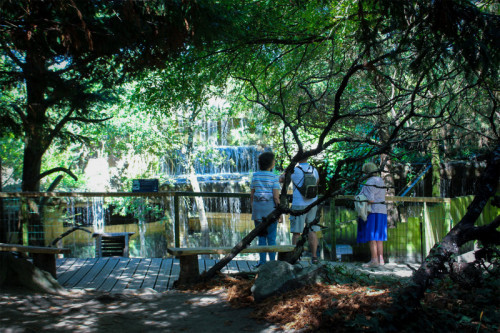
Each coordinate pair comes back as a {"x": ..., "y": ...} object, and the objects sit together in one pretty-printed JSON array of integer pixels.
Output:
[
  {"x": 191, "y": 84},
  {"x": 67, "y": 57},
  {"x": 317, "y": 85}
]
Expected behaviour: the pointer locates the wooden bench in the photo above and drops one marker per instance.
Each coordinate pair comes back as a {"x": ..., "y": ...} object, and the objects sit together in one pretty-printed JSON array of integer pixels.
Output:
[
  {"x": 188, "y": 257},
  {"x": 43, "y": 257}
]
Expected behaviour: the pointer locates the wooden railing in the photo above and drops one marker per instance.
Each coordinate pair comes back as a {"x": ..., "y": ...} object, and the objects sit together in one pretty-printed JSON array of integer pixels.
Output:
[
  {"x": 175, "y": 195},
  {"x": 447, "y": 215}
]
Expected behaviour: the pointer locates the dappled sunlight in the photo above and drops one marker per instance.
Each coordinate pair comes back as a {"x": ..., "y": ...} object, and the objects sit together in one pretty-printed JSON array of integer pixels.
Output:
[{"x": 131, "y": 312}]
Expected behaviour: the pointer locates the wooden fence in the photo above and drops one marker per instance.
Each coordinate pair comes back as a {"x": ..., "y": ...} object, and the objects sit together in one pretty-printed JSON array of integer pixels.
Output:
[{"x": 421, "y": 223}]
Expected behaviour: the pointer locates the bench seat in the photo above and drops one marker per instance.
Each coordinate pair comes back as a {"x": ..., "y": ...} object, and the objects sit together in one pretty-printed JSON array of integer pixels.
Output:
[
  {"x": 185, "y": 251},
  {"x": 43, "y": 257},
  {"x": 188, "y": 257}
]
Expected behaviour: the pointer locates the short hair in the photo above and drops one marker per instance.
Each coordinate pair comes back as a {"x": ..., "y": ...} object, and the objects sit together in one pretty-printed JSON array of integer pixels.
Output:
[
  {"x": 266, "y": 160},
  {"x": 369, "y": 167}
]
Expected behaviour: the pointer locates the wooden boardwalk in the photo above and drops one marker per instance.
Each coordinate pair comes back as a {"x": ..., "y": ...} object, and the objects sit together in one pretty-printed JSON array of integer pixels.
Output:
[{"x": 117, "y": 274}]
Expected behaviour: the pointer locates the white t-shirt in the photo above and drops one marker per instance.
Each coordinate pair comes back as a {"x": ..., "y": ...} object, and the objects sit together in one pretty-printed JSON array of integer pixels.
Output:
[{"x": 298, "y": 179}]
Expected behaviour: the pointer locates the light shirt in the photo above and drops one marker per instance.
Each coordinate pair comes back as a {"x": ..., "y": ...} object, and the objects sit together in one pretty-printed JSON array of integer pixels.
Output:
[
  {"x": 298, "y": 180},
  {"x": 375, "y": 190},
  {"x": 263, "y": 182}
]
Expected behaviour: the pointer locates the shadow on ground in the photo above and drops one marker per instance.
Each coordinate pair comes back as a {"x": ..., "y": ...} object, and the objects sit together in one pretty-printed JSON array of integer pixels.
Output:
[{"x": 87, "y": 311}]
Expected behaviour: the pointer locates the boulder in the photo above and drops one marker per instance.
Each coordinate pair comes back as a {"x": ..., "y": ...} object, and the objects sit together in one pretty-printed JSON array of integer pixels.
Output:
[
  {"x": 468, "y": 257},
  {"x": 277, "y": 277},
  {"x": 19, "y": 272}
]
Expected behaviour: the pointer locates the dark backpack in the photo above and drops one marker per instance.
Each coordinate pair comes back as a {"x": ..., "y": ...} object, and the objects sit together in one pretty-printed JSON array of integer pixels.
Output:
[{"x": 309, "y": 188}]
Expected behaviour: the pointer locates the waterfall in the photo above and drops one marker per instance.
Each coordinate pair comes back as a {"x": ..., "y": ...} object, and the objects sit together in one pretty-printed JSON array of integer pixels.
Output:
[
  {"x": 97, "y": 214},
  {"x": 142, "y": 229}
]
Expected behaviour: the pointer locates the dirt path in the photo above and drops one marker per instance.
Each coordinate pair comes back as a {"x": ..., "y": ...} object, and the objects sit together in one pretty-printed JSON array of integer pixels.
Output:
[{"x": 139, "y": 312}]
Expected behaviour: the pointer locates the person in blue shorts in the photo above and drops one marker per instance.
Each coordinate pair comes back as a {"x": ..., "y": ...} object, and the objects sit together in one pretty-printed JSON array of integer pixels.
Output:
[
  {"x": 264, "y": 197},
  {"x": 374, "y": 231}
]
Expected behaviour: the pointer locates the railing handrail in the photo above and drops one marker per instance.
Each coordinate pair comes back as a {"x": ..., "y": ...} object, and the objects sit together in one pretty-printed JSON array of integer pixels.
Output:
[
  {"x": 191, "y": 194},
  {"x": 120, "y": 194}
]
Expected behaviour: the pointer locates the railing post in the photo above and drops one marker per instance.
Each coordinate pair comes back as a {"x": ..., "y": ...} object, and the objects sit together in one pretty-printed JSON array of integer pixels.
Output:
[
  {"x": 423, "y": 230},
  {"x": 177, "y": 228},
  {"x": 447, "y": 216}
]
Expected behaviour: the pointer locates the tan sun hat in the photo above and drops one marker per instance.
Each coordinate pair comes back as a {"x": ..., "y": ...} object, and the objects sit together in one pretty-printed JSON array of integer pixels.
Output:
[{"x": 369, "y": 167}]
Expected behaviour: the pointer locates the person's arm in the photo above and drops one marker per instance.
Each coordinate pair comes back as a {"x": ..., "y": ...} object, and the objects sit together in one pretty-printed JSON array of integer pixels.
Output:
[
  {"x": 368, "y": 190},
  {"x": 252, "y": 193},
  {"x": 276, "y": 196}
]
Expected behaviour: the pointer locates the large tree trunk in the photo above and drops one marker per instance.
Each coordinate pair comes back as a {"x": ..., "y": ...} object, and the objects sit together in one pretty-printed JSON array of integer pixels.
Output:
[
  {"x": 387, "y": 175},
  {"x": 463, "y": 232},
  {"x": 35, "y": 142},
  {"x": 386, "y": 163},
  {"x": 436, "y": 165},
  {"x": 3, "y": 222}
]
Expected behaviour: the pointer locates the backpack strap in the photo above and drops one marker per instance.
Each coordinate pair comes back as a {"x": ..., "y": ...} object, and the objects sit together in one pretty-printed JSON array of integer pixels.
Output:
[{"x": 303, "y": 174}]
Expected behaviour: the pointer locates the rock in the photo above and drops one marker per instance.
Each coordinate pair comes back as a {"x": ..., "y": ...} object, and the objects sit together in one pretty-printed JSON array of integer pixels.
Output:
[
  {"x": 277, "y": 277},
  {"x": 22, "y": 273},
  {"x": 468, "y": 257}
]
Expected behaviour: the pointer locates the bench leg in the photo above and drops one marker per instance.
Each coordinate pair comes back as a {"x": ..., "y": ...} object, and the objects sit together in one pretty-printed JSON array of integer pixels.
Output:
[
  {"x": 46, "y": 262},
  {"x": 284, "y": 256},
  {"x": 190, "y": 272}
]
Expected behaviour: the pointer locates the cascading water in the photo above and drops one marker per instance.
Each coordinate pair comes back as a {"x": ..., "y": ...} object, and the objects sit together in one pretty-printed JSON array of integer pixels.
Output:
[
  {"x": 219, "y": 167},
  {"x": 142, "y": 229},
  {"x": 97, "y": 215}
]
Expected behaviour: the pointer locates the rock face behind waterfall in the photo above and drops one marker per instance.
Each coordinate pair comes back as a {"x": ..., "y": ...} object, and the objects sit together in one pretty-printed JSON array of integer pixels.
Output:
[
  {"x": 277, "y": 277},
  {"x": 18, "y": 272}
]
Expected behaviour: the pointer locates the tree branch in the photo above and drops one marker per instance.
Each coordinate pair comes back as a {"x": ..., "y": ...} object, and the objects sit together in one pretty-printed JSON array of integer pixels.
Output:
[{"x": 60, "y": 169}]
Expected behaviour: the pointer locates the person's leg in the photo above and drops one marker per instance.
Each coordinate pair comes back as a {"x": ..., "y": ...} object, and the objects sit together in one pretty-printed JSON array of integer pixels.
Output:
[
  {"x": 380, "y": 252},
  {"x": 262, "y": 256},
  {"x": 261, "y": 241},
  {"x": 312, "y": 237},
  {"x": 373, "y": 251},
  {"x": 296, "y": 225},
  {"x": 313, "y": 244},
  {"x": 271, "y": 238}
]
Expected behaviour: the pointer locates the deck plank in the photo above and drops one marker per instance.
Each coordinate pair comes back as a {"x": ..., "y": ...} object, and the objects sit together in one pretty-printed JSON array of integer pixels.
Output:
[
  {"x": 251, "y": 264},
  {"x": 115, "y": 274},
  {"x": 243, "y": 266},
  {"x": 174, "y": 273},
  {"x": 64, "y": 277},
  {"x": 232, "y": 267},
  {"x": 209, "y": 263},
  {"x": 163, "y": 275},
  {"x": 103, "y": 274},
  {"x": 93, "y": 272},
  {"x": 80, "y": 273},
  {"x": 139, "y": 275},
  {"x": 63, "y": 264},
  {"x": 126, "y": 275},
  {"x": 60, "y": 264},
  {"x": 152, "y": 274},
  {"x": 201, "y": 265}
]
